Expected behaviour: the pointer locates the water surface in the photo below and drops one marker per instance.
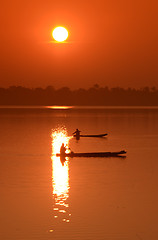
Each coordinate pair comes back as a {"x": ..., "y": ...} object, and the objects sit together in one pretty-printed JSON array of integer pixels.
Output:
[{"x": 82, "y": 198}]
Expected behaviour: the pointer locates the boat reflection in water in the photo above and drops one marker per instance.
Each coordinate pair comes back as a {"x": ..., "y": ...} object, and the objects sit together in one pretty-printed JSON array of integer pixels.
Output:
[{"x": 60, "y": 176}]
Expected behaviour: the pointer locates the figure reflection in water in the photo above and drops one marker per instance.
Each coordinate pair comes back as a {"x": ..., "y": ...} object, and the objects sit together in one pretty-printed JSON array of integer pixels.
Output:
[
  {"x": 62, "y": 160},
  {"x": 77, "y": 134}
]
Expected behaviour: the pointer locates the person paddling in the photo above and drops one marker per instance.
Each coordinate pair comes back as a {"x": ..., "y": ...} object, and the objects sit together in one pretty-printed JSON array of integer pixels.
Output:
[
  {"x": 62, "y": 149},
  {"x": 77, "y": 133}
]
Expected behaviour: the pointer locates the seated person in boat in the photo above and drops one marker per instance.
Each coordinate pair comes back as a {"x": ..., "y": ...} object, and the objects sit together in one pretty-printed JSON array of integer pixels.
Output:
[
  {"x": 77, "y": 133},
  {"x": 62, "y": 149}
]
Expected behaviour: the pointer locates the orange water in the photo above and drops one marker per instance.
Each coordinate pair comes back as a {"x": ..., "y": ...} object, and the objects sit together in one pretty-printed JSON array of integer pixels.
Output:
[{"x": 83, "y": 198}]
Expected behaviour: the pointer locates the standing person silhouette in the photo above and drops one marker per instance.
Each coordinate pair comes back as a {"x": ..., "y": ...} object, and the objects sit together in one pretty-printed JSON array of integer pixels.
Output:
[{"x": 77, "y": 134}]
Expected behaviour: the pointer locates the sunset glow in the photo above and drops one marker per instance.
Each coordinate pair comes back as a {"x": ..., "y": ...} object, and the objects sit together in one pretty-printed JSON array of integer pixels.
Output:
[
  {"x": 60, "y": 34},
  {"x": 79, "y": 120}
]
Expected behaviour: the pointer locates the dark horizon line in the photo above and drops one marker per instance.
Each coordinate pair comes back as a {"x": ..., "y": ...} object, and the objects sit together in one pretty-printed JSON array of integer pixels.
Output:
[
  {"x": 96, "y": 86},
  {"x": 94, "y": 96}
]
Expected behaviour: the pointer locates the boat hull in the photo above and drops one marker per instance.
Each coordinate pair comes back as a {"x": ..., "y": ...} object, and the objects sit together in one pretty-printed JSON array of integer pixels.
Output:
[
  {"x": 93, "y": 154},
  {"x": 90, "y": 135},
  {"x": 99, "y": 135}
]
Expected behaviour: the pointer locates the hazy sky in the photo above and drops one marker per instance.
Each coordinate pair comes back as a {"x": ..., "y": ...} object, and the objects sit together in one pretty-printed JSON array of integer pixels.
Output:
[{"x": 111, "y": 42}]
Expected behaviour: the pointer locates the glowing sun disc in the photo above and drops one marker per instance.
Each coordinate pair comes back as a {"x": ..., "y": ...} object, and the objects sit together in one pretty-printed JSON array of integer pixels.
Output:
[{"x": 60, "y": 34}]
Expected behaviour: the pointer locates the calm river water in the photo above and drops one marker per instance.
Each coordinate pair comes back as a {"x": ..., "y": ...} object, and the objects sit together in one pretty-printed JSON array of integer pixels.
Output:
[{"x": 82, "y": 198}]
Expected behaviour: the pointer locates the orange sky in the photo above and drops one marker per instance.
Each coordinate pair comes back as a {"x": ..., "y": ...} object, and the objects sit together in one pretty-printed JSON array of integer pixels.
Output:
[{"x": 112, "y": 43}]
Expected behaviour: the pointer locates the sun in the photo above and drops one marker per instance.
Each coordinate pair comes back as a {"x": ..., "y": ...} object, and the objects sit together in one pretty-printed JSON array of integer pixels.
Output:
[{"x": 60, "y": 34}]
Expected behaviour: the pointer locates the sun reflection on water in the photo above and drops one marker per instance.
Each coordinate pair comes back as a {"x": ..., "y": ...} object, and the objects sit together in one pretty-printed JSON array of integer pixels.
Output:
[{"x": 60, "y": 175}]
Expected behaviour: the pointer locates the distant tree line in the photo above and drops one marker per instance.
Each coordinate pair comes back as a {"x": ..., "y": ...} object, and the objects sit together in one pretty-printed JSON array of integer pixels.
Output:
[{"x": 96, "y": 95}]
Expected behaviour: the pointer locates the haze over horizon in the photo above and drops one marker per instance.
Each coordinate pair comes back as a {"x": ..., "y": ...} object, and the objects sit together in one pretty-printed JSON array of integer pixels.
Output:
[{"x": 111, "y": 43}]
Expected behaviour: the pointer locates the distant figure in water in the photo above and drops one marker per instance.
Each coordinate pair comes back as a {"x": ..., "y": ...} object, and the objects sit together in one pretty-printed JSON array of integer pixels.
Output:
[
  {"x": 77, "y": 133},
  {"x": 62, "y": 149}
]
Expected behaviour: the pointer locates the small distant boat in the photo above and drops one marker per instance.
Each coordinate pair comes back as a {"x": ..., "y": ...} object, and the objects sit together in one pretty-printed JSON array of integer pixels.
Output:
[
  {"x": 89, "y": 135},
  {"x": 93, "y": 154}
]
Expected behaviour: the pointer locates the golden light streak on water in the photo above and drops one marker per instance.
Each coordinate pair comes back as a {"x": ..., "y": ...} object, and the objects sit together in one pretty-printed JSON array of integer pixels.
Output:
[
  {"x": 60, "y": 175},
  {"x": 59, "y": 107}
]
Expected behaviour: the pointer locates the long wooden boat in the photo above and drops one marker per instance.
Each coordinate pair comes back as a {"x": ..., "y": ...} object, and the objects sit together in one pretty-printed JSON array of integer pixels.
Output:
[
  {"x": 91, "y": 135},
  {"x": 92, "y": 154}
]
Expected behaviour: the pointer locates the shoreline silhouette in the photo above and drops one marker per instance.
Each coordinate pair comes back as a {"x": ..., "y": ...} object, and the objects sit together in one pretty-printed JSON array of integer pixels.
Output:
[{"x": 94, "y": 96}]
